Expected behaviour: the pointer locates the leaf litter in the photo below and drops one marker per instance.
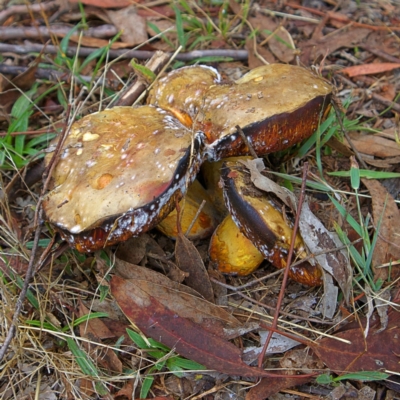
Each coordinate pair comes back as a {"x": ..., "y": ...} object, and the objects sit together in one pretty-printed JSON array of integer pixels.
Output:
[{"x": 317, "y": 44}]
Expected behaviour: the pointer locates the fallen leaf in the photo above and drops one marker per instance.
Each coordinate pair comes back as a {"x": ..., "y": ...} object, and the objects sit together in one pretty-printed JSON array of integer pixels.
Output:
[
  {"x": 385, "y": 214},
  {"x": 257, "y": 54},
  {"x": 366, "y": 69},
  {"x": 312, "y": 49},
  {"x": 318, "y": 239},
  {"x": 95, "y": 330},
  {"x": 186, "y": 337},
  {"x": 281, "y": 45},
  {"x": 188, "y": 260},
  {"x": 132, "y": 25},
  {"x": 375, "y": 145},
  {"x": 178, "y": 300},
  {"x": 379, "y": 351}
]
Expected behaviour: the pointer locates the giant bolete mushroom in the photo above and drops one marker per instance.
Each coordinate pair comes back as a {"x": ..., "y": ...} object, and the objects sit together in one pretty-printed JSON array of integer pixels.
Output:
[{"x": 121, "y": 171}]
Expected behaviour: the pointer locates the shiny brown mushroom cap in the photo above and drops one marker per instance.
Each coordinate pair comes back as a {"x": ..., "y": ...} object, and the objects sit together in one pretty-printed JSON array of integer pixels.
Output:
[
  {"x": 182, "y": 91},
  {"x": 118, "y": 173},
  {"x": 276, "y": 106}
]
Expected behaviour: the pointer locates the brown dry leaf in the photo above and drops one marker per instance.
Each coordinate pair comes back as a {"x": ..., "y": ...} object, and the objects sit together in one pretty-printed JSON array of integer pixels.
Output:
[
  {"x": 96, "y": 42},
  {"x": 256, "y": 56},
  {"x": 278, "y": 38},
  {"x": 132, "y": 25},
  {"x": 366, "y": 69},
  {"x": 312, "y": 49},
  {"x": 281, "y": 45},
  {"x": 11, "y": 90},
  {"x": 188, "y": 338},
  {"x": 269, "y": 386},
  {"x": 180, "y": 299},
  {"x": 376, "y": 352},
  {"x": 13, "y": 263},
  {"x": 105, "y": 3},
  {"x": 126, "y": 391},
  {"x": 189, "y": 260},
  {"x": 387, "y": 216},
  {"x": 133, "y": 250},
  {"x": 95, "y": 330},
  {"x": 375, "y": 145}
]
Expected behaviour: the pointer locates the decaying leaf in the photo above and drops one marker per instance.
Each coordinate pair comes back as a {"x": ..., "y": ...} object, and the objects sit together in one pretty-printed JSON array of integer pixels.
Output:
[
  {"x": 189, "y": 260},
  {"x": 185, "y": 336},
  {"x": 318, "y": 239},
  {"x": 178, "y": 298},
  {"x": 376, "y": 352}
]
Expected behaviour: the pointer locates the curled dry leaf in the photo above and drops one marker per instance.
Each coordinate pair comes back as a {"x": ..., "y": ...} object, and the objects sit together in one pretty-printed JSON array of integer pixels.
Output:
[
  {"x": 318, "y": 239},
  {"x": 186, "y": 337}
]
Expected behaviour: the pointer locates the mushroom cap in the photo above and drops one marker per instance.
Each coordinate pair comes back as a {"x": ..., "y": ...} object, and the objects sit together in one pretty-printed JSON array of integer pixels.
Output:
[
  {"x": 276, "y": 106},
  {"x": 182, "y": 91},
  {"x": 119, "y": 171},
  {"x": 261, "y": 220}
]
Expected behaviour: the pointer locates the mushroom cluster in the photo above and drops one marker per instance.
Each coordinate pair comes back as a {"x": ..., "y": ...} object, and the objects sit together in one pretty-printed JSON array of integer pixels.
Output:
[{"x": 121, "y": 171}]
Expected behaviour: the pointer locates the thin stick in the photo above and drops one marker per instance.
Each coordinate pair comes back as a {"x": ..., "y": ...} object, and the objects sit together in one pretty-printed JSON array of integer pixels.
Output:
[
  {"x": 139, "y": 54},
  {"x": 246, "y": 141},
  {"x": 288, "y": 262}
]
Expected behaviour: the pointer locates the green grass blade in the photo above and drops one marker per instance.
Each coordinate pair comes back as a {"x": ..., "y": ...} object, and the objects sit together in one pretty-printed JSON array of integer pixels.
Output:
[
  {"x": 365, "y": 173},
  {"x": 182, "y": 39}
]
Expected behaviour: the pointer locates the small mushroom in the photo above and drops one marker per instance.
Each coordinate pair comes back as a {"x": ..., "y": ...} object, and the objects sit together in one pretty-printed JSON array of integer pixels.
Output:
[
  {"x": 119, "y": 174},
  {"x": 231, "y": 252},
  {"x": 205, "y": 223},
  {"x": 260, "y": 218}
]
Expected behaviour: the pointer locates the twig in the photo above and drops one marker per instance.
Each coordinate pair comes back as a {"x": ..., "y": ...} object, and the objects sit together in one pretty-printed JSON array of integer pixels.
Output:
[
  {"x": 343, "y": 18},
  {"x": 288, "y": 262},
  {"x": 38, "y": 220},
  {"x": 203, "y": 203},
  {"x": 139, "y": 54},
  {"x": 42, "y": 73},
  {"x": 246, "y": 141},
  {"x": 391, "y": 104},
  {"x": 381, "y": 54},
  {"x": 25, "y": 9},
  {"x": 43, "y": 32}
]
